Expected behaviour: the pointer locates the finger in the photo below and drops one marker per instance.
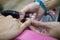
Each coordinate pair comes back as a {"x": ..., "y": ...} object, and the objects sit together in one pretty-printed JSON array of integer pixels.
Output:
[
  {"x": 27, "y": 19},
  {"x": 32, "y": 15},
  {"x": 25, "y": 24},
  {"x": 22, "y": 14},
  {"x": 34, "y": 29},
  {"x": 53, "y": 28},
  {"x": 41, "y": 25},
  {"x": 40, "y": 13},
  {"x": 39, "y": 30}
]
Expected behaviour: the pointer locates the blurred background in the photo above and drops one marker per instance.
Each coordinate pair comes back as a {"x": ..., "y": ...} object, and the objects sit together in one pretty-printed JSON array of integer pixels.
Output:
[{"x": 14, "y": 4}]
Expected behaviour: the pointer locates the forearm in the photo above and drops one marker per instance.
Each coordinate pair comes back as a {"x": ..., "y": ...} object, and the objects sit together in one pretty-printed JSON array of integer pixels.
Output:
[
  {"x": 52, "y": 28},
  {"x": 50, "y": 4}
]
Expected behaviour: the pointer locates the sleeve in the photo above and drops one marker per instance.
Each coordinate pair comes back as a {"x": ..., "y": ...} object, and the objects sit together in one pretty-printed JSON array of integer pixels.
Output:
[{"x": 41, "y": 4}]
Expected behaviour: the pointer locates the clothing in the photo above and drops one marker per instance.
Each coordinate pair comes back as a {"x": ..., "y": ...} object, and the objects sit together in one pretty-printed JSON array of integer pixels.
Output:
[
  {"x": 47, "y": 18},
  {"x": 41, "y": 4}
]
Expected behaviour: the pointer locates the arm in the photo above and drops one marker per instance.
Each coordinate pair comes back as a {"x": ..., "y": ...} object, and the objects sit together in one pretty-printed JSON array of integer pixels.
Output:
[
  {"x": 50, "y": 4},
  {"x": 52, "y": 28},
  {"x": 31, "y": 7},
  {"x": 36, "y": 7}
]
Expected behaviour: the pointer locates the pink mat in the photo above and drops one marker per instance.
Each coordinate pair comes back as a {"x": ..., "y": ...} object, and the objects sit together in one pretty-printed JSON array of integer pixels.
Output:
[{"x": 31, "y": 35}]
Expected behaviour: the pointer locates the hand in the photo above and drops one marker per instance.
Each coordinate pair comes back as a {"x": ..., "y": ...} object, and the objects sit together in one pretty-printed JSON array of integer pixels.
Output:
[
  {"x": 9, "y": 27},
  {"x": 32, "y": 8},
  {"x": 48, "y": 28}
]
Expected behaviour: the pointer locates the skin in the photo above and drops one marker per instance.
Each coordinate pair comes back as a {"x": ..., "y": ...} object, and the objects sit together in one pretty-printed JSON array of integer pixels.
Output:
[
  {"x": 36, "y": 8},
  {"x": 51, "y": 28},
  {"x": 50, "y": 5},
  {"x": 11, "y": 27},
  {"x": 32, "y": 8},
  {"x": 7, "y": 31}
]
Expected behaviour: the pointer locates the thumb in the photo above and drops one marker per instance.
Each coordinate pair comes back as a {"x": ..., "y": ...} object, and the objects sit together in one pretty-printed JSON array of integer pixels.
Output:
[{"x": 22, "y": 14}]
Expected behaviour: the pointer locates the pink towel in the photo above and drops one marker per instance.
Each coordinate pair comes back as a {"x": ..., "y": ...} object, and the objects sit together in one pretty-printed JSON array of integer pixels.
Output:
[{"x": 31, "y": 35}]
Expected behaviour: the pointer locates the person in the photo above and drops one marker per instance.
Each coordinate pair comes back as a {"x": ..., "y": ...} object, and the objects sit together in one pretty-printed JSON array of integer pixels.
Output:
[
  {"x": 11, "y": 27},
  {"x": 40, "y": 7},
  {"x": 48, "y": 28}
]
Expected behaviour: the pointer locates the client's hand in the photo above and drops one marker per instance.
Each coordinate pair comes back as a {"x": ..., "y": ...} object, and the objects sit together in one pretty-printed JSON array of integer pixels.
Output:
[
  {"x": 11, "y": 27},
  {"x": 49, "y": 28},
  {"x": 32, "y": 8}
]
